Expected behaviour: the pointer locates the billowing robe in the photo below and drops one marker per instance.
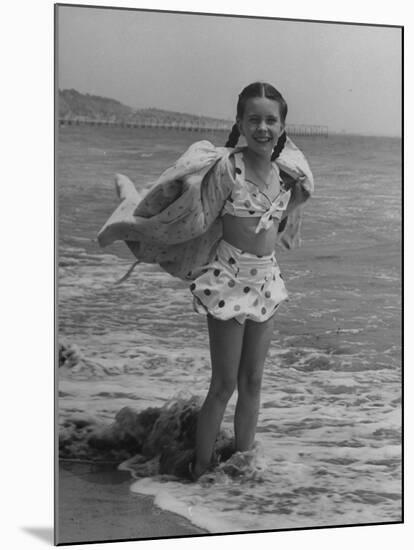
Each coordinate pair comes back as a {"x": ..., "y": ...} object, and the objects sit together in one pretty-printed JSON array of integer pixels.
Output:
[{"x": 177, "y": 223}]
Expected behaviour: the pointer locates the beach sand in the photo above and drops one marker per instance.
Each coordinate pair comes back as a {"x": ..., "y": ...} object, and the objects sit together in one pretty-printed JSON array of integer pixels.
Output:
[{"x": 95, "y": 504}]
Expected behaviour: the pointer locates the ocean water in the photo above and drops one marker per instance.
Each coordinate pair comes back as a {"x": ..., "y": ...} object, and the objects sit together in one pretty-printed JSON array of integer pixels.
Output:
[{"x": 329, "y": 432}]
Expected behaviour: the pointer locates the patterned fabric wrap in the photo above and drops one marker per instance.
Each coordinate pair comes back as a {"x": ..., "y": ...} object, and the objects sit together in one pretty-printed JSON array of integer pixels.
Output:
[
  {"x": 238, "y": 285},
  {"x": 177, "y": 224}
]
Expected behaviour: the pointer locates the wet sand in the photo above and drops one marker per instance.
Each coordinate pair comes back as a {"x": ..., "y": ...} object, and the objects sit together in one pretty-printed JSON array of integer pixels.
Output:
[{"x": 95, "y": 504}]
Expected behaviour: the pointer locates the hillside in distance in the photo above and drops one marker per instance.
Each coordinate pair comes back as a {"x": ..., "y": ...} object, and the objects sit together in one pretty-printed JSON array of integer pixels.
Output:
[{"x": 75, "y": 105}]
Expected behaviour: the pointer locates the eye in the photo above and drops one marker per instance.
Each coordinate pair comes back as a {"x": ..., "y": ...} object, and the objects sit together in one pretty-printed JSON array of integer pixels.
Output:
[{"x": 272, "y": 120}]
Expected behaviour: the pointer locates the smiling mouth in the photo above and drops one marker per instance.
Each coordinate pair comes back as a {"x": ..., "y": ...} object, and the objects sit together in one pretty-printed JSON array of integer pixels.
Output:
[{"x": 263, "y": 139}]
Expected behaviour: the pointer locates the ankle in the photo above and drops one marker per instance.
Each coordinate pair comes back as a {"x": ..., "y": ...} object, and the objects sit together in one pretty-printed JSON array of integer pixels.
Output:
[{"x": 197, "y": 469}]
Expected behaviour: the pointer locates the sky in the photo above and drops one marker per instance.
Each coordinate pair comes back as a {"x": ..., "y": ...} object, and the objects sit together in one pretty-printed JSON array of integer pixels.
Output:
[{"x": 347, "y": 77}]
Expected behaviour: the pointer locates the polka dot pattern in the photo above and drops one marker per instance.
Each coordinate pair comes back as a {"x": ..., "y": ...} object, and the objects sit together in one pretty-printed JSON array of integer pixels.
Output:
[
  {"x": 238, "y": 285},
  {"x": 248, "y": 200}
]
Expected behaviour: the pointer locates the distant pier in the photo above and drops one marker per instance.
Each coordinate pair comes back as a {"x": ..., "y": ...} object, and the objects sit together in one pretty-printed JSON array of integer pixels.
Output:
[
  {"x": 186, "y": 125},
  {"x": 307, "y": 130}
]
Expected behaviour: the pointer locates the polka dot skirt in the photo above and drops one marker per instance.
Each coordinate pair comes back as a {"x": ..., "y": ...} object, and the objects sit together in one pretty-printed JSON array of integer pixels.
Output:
[{"x": 238, "y": 285}]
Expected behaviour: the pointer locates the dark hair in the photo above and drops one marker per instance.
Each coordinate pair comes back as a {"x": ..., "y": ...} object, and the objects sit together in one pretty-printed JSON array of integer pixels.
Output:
[{"x": 259, "y": 89}]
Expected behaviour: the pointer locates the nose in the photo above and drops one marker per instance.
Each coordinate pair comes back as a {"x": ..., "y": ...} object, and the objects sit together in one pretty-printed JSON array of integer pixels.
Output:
[{"x": 262, "y": 125}]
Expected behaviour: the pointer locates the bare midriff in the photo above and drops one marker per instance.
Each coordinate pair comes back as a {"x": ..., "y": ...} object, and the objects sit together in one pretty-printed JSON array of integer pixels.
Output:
[{"x": 240, "y": 232}]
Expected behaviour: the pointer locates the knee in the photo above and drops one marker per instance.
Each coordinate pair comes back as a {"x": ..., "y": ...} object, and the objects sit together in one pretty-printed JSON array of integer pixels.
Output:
[
  {"x": 250, "y": 384},
  {"x": 222, "y": 390}
]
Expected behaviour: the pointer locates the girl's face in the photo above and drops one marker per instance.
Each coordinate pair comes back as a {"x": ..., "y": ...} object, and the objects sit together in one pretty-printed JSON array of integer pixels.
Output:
[{"x": 261, "y": 125}]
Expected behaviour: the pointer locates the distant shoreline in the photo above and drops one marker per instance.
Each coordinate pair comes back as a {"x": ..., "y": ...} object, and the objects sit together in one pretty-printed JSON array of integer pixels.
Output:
[
  {"x": 85, "y": 109},
  {"x": 201, "y": 128},
  {"x": 196, "y": 126}
]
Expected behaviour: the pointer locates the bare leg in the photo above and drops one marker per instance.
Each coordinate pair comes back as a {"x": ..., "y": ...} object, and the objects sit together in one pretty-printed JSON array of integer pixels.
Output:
[
  {"x": 226, "y": 340},
  {"x": 256, "y": 341}
]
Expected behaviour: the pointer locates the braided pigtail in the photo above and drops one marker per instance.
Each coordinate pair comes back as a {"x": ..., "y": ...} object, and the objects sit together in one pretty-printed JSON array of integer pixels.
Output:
[
  {"x": 233, "y": 136},
  {"x": 279, "y": 146}
]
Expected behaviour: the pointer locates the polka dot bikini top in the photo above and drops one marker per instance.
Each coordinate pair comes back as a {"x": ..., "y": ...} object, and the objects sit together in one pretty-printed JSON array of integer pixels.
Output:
[{"x": 247, "y": 200}]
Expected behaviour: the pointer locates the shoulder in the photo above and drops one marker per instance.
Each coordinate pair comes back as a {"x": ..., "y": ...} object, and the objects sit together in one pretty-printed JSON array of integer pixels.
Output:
[
  {"x": 228, "y": 162},
  {"x": 220, "y": 160}
]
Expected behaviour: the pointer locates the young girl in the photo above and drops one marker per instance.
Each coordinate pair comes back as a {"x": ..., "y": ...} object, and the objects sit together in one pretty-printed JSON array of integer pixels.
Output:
[
  {"x": 241, "y": 289},
  {"x": 220, "y": 212}
]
